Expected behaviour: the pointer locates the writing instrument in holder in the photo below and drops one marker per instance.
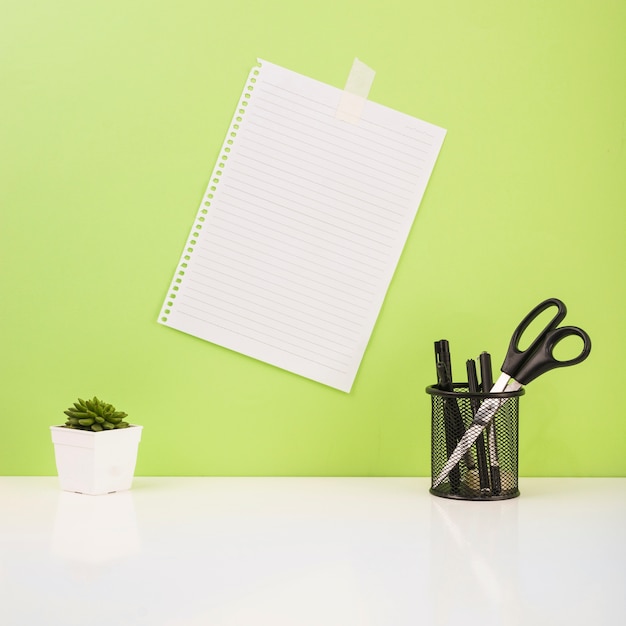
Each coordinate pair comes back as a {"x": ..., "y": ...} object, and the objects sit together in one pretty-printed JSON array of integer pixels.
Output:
[
  {"x": 450, "y": 422},
  {"x": 450, "y": 429},
  {"x": 453, "y": 421},
  {"x": 486, "y": 381},
  {"x": 442, "y": 354},
  {"x": 452, "y": 411},
  {"x": 481, "y": 454}
]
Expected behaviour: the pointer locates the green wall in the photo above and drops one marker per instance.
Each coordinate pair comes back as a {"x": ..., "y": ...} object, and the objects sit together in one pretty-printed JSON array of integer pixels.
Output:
[{"x": 111, "y": 117}]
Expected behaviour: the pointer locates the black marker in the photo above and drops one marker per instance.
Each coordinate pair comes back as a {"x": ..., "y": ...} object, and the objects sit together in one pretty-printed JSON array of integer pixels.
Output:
[
  {"x": 448, "y": 422},
  {"x": 453, "y": 421},
  {"x": 494, "y": 463},
  {"x": 481, "y": 454}
]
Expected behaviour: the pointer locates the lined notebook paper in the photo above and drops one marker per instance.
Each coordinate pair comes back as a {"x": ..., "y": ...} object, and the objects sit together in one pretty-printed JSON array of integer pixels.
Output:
[{"x": 304, "y": 219}]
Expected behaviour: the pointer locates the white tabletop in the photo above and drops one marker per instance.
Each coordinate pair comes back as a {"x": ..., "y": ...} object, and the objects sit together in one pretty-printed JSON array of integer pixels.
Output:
[{"x": 304, "y": 551}]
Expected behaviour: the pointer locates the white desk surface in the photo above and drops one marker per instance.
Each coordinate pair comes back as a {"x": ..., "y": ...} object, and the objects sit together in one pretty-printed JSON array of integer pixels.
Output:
[{"x": 311, "y": 551}]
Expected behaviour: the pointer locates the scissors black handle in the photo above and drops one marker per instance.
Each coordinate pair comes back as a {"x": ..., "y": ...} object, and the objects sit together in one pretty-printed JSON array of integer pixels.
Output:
[{"x": 526, "y": 365}]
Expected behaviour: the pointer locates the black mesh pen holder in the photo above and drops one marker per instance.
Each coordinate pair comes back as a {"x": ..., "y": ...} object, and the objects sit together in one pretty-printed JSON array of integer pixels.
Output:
[{"x": 489, "y": 469}]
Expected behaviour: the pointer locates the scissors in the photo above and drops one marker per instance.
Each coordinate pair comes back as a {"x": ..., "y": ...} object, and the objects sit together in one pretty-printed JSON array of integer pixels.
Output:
[{"x": 518, "y": 369}]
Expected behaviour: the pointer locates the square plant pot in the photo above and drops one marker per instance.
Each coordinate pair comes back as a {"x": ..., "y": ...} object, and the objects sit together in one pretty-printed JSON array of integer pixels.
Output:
[{"x": 96, "y": 463}]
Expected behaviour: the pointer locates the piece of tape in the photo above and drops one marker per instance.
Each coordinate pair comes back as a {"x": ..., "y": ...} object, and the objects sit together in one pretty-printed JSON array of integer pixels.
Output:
[{"x": 355, "y": 93}]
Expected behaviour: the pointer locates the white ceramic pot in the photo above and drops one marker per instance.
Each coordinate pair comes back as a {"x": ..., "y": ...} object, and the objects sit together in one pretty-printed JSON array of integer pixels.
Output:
[{"x": 96, "y": 463}]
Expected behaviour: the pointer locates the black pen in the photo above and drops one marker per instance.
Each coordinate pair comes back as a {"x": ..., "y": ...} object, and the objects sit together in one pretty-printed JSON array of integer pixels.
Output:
[
  {"x": 452, "y": 414},
  {"x": 444, "y": 381},
  {"x": 450, "y": 426},
  {"x": 481, "y": 455},
  {"x": 494, "y": 463}
]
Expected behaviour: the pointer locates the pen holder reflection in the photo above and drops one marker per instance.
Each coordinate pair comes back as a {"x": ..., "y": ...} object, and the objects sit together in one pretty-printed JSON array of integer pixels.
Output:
[{"x": 452, "y": 413}]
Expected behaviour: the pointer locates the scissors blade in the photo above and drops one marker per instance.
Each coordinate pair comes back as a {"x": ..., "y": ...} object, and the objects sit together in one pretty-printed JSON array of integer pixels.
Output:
[{"x": 484, "y": 415}]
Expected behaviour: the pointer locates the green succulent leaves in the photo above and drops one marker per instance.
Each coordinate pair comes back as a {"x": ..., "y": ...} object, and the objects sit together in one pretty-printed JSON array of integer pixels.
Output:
[{"x": 94, "y": 415}]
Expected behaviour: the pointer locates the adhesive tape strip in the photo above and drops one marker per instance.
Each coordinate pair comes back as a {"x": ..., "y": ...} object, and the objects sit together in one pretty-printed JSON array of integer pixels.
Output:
[{"x": 355, "y": 93}]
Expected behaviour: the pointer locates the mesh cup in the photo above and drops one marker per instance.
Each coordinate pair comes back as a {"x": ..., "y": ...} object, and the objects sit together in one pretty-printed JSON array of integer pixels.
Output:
[{"x": 498, "y": 479}]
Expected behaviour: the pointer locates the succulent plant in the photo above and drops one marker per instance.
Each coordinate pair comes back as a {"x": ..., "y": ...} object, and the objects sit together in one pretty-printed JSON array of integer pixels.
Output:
[{"x": 94, "y": 415}]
